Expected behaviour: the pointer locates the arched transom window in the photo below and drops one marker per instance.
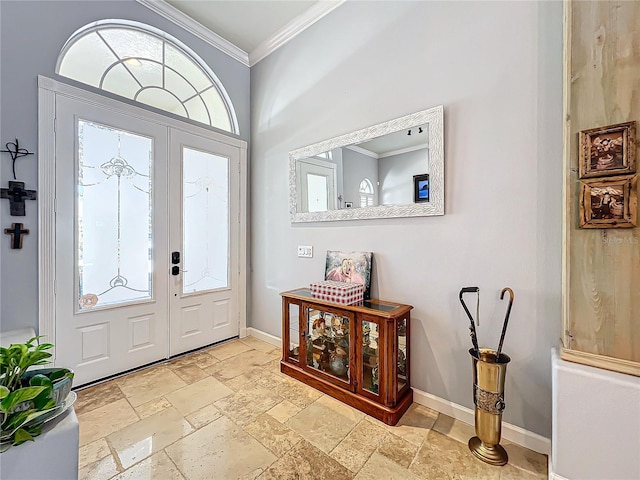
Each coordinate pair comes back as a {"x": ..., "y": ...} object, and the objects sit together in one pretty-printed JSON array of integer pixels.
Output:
[
  {"x": 147, "y": 65},
  {"x": 366, "y": 193}
]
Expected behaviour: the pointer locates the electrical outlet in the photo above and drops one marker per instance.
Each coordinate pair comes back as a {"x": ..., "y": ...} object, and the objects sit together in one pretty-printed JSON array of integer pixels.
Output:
[{"x": 305, "y": 251}]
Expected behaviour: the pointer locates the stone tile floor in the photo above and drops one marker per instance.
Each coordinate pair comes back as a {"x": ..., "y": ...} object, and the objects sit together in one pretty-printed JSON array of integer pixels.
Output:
[{"x": 228, "y": 413}]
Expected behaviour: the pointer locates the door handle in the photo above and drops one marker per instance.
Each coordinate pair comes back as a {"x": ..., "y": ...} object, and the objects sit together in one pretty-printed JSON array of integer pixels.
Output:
[
  {"x": 175, "y": 258},
  {"x": 175, "y": 271}
]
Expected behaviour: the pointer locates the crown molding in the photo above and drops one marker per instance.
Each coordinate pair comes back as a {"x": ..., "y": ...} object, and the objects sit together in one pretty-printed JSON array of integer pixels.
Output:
[
  {"x": 363, "y": 151},
  {"x": 174, "y": 15},
  {"x": 291, "y": 29},
  {"x": 405, "y": 150}
]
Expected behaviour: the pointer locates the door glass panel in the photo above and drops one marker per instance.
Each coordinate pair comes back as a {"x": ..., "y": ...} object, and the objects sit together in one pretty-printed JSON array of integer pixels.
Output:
[
  {"x": 318, "y": 200},
  {"x": 114, "y": 220},
  {"x": 370, "y": 338},
  {"x": 205, "y": 190},
  {"x": 328, "y": 343},
  {"x": 294, "y": 332},
  {"x": 402, "y": 353}
]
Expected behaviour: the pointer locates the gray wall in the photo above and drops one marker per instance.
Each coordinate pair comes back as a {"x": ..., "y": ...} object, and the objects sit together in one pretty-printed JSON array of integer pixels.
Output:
[
  {"x": 31, "y": 36},
  {"x": 357, "y": 166},
  {"x": 497, "y": 69},
  {"x": 395, "y": 174}
]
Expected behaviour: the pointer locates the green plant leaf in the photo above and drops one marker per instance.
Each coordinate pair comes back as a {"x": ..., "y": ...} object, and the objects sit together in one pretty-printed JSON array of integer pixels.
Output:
[
  {"x": 4, "y": 391},
  {"x": 44, "y": 401},
  {"x": 18, "y": 396},
  {"x": 40, "y": 380},
  {"x": 21, "y": 436},
  {"x": 60, "y": 374},
  {"x": 22, "y": 419},
  {"x": 35, "y": 430}
]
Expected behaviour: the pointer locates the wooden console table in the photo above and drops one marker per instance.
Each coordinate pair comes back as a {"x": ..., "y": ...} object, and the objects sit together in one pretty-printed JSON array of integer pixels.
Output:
[{"x": 358, "y": 354}]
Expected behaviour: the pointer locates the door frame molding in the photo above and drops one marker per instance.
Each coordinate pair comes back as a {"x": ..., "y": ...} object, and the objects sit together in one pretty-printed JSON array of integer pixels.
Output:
[{"x": 48, "y": 90}]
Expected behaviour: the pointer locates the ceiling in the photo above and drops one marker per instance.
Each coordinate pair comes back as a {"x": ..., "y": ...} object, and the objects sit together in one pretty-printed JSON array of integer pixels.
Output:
[
  {"x": 253, "y": 24},
  {"x": 398, "y": 142}
]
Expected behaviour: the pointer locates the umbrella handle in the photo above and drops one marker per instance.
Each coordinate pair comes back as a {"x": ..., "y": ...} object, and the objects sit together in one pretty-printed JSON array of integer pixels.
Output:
[
  {"x": 506, "y": 318},
  {"x": 472, "y": 327}
]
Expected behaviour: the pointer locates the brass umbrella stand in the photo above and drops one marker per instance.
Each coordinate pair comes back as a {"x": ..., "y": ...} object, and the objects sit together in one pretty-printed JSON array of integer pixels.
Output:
[{"x": 489, "y": 373}]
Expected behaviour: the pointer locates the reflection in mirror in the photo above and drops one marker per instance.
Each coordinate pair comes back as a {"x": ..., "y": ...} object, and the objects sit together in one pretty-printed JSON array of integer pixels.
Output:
[{"x": 369, "y": 173}]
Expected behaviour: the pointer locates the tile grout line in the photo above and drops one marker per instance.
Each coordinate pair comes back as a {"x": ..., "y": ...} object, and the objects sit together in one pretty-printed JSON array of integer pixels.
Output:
[
  {"x": 116, "y": 458},
  {"x": 386, "y": 434},
  {"x": 184, "y": 475}
]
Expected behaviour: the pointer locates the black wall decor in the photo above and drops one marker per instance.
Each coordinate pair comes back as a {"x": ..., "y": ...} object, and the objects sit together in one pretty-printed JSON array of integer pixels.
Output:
[
  {"x": 16, "y": 231},
  {"x": 16, "y": 152},
  {"x": 16, "y": 194}
]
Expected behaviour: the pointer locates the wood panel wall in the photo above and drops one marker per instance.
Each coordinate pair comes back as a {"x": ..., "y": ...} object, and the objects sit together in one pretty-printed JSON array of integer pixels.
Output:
[{"x": 602, "y": 266}]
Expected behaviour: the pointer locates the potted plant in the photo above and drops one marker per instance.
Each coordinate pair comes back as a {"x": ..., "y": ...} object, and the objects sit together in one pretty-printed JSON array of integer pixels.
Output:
[{"x": 28, "y": 398}]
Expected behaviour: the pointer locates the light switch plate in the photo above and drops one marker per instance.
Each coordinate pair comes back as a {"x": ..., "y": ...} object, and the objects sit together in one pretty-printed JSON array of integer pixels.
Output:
[{"x": 305, "y": 251}]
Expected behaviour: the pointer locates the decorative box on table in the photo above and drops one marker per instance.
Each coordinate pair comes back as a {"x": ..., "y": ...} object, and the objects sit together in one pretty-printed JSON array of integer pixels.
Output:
[{"x": 338, "y": 292}]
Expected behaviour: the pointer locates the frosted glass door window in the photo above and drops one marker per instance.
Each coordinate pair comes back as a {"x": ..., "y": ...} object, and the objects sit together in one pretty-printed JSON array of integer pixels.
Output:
[
  {"x": 113, "y": 216},
  {"x": 205, "y": 221},
  {"x": 317, "y": 193}
]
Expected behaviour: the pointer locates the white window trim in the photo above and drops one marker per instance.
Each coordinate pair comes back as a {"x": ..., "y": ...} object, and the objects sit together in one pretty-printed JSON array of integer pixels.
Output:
[{"x": 369, "y": 198}]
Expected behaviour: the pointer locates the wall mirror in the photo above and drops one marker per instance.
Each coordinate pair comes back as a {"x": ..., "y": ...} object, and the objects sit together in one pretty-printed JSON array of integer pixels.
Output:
[{"x": 393, "y": 169}]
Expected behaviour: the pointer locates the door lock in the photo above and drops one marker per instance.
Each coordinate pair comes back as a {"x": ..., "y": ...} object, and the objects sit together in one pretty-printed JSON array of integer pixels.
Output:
[
  {"x": 175, "y": 271},
  {"x": 175, "y": 258}
]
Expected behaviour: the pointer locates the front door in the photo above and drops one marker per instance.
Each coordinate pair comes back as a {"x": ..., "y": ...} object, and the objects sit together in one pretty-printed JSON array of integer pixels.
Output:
[
  {"x": 204, "y": 181},
  {"x": 146, "y": 218},
  {"x": 318, "y": 185}
]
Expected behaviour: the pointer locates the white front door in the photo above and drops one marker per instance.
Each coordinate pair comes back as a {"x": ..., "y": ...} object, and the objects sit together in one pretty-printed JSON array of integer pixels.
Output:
[
  {"x": 204, "y": 240},
  {"x": 130, "y": 193},
  {"x": 318, "y": 185}
]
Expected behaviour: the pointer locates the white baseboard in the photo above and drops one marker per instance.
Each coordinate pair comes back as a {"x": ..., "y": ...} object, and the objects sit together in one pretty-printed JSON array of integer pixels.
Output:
[
  {"x": 265, "y": 337},
  {"x": 510, "y": 432},
  {"x": 513, "y": 433},
  {"x": 555, "y": 476},
  {"x": 243, "y": 333}
]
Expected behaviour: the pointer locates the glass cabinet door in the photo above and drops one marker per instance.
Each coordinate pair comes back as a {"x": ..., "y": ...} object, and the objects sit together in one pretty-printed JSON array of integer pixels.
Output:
[
  {"x": 370, "y": 361},
  {"x": 293, "y": 333},
  {"x": 328, "y": 340},
  {"x": 401, "y": 360}
]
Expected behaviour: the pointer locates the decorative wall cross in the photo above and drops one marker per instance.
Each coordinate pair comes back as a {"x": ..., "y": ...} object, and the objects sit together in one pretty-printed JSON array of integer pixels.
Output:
[
  {"x": 17, "y": 195},
  {"x": 16, "y": 231},
  {"x": 16, "y": 152}
]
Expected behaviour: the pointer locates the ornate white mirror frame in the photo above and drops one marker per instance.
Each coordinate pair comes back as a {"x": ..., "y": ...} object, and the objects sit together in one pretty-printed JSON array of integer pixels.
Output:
[{"x": 432, "y": 117}]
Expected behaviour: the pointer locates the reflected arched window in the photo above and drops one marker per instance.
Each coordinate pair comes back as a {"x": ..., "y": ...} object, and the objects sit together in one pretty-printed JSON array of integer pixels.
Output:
[
  {"x": 147, "y": 65},
  {"x": 366, "y": 193}
]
